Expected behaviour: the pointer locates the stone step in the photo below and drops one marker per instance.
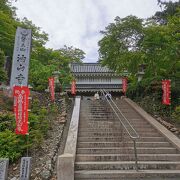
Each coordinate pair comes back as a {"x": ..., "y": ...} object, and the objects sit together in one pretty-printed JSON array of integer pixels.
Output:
[
  {"x": 89, "y": 112},
  {"x": 94, "y": 108},
  {"x": 124, "y": 174},
  {"x": 114, "y": 134},
  {"x": 109, "y": 113},
  {"x": 120, "y": 144},
  {"x": 124, "y": 157},
  {"x": 111, "y": 116},
  {"x": 110, "y": 126},
  {"x": 107, "y": 122},
  {"x": 94, "y": 114},
  {"x": 94, "y": 117},
  {"x": 114, "y": 130},
  {"x": 115, "y": 139},
  {"x": 127, "y": 150},
  {"x": 103, "y": 124},
  {"x": 102, "y": 152},
  {"x": 127, "y": 165}
]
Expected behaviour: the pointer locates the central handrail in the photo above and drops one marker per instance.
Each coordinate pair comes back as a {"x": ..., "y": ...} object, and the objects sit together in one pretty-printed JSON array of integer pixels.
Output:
[{"x": 131, "y": 131}]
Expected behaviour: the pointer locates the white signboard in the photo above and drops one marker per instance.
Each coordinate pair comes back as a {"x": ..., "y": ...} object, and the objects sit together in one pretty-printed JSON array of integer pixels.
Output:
[
  {"x": 4, "y": 162},
  {"x": 25, "y": 171},
  {"x": 21, "y": 56}
]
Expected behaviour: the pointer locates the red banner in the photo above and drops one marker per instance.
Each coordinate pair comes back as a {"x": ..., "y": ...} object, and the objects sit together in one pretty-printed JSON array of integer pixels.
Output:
[
  {"x": 166, "y": 84},
  {"x": 51, "y": 88},
  {"x": 73, "y": 87},
  {"x": 21, "y": 101},
  {"x": 124, "y": 85}
]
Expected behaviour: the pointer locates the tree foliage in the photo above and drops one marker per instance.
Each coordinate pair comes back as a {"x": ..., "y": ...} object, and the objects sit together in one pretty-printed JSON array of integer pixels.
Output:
[
  {"x": 120, "y": 46},
  {"x": 7, "y": 33},
  {"x": 3, "y": 75},
  {"x": 129, "y": 42},
  {"x": 170, "y": 9},
  {"x": 43, "y": 60},
  {"x": 73, "y": 54},
  {"x": 6, "y": 7}
]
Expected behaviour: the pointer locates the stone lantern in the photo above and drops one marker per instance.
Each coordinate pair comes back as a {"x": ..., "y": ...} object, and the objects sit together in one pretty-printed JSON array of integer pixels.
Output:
[
  {"x": 56, "y": 80},
  {"x": 141, "y": 72}
]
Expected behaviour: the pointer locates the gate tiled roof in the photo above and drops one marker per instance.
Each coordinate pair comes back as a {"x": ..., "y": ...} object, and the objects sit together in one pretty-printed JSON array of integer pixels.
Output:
[{"x": 89, "y": 68}]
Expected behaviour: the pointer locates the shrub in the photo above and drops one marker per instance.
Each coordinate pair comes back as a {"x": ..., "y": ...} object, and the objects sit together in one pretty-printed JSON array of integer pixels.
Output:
[
  {"x": 35, "y": 138},
  {"x": 11, "y": 145},
  {"x": 35, "y": 106},
  {"x": 176, "y": 114},
  {"x": 6, "y": 103},
  {"x": 7, "y": 121},
  {"x": 53, "y": 108}
]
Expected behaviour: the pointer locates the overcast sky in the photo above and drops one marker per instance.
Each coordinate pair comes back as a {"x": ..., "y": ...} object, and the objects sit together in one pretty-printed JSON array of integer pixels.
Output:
[{"x": 78, "y": 22}]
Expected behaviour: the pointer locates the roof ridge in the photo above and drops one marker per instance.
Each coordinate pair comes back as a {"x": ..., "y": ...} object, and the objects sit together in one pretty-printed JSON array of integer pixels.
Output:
[{"x": 85, "y": 63}]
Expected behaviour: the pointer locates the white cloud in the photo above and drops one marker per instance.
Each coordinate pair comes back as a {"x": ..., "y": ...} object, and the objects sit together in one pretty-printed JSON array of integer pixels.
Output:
[{"x": 78, "y": 22}]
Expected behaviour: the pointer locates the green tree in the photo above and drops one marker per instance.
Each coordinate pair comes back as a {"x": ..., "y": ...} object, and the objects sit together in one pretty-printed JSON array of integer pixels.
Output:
[
  {"x": 168, "y": 9},
  {"x": 120, "y": 48},
  {"x": 43, "y": 60},
  {"x": 7, "y": 33},
  {"x": 39, "y": 74},
  {"x": 161, "y": 47},
  {"x": 39, "y": 37},
  {"x": 6, "y": 7},
  {"x": 3, "y": 75},
  {"x": 73, "y": 54}
]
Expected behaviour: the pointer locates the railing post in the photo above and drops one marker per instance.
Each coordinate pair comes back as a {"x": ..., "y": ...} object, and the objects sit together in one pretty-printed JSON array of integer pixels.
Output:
[{"x": 135, "y": 154}]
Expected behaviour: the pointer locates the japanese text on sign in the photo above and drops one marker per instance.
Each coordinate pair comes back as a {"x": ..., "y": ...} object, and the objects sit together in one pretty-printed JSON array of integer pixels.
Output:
[
  {"x": 73, "y": 87},
  {"x": 51, "y": 88},
  {"x": 166, "y": 92},
  {"x": 20, "y": 66},
  {"x": 21, "y": 101},
  {"x": 124, "y": 85}
]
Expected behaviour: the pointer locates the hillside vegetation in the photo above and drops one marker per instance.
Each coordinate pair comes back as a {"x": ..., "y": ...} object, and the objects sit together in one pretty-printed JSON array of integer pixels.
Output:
[
  {"x": 43, "y": 62},
  {"x": 153, "y": 43}
]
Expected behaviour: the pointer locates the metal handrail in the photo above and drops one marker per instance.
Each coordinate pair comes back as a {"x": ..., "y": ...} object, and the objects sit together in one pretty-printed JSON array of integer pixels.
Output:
[{"x": 134, "y": 138}]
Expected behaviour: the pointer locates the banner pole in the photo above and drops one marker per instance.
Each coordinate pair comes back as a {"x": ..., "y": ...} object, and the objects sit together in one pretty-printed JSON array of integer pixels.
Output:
[
  {"x": 27, "y": 143},
  {"x": 170, "y": 111}
]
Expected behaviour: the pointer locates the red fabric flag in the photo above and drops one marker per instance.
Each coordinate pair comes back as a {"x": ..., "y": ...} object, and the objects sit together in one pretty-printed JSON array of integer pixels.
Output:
[
  {"x": 166, "y": 92},
  {"x": 73, "y": 87},
  {"x": 51, "y": 88},
  {"x": 124, "y": 84},
  {"x": 21, "y": 101}
]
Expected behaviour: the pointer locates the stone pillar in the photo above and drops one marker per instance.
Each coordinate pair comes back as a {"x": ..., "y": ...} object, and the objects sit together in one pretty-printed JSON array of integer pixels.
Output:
[
  {"x": 65, "y": 166},
  {"x": 4, "y": 162}
]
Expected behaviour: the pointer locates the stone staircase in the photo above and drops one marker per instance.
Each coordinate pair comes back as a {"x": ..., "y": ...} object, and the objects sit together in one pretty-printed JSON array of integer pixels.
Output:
[{"x": 105, "y": 151}]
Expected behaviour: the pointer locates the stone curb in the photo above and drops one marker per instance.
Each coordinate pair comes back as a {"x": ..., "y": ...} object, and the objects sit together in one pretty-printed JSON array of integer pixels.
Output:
[
  {"x": 65, "y": 165},
  {"x": 165, "y": 132}
]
